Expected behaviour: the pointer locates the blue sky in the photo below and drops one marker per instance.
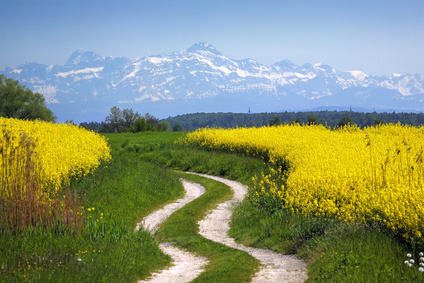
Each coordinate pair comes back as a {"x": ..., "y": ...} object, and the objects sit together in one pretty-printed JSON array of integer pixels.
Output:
[{"x": 378, "y": 37}]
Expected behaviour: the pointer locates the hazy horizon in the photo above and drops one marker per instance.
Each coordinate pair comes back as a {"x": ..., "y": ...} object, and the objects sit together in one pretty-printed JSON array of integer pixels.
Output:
[{"x": 376, "y": 37}]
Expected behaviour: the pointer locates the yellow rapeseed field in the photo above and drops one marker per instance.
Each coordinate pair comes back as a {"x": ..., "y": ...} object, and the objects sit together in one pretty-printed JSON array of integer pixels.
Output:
[
  {"x": 58, "y": 151},
  {"x": 375, "y": 174}
]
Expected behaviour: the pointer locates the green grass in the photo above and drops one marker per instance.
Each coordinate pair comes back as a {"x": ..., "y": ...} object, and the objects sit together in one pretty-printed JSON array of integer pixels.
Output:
[
  {"x": 225, "y": 264},
  {"x": 54, "y": 258},
  {"x": 121, "y": 193},
  {"x": 137, "y": 182},
  {"x": 337, "y": 251}
]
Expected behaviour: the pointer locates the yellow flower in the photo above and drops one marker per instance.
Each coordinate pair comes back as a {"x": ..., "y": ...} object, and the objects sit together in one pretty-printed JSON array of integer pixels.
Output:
[
  {"x": 353, "y": 174},
  {"x": 57, "y": 152}
]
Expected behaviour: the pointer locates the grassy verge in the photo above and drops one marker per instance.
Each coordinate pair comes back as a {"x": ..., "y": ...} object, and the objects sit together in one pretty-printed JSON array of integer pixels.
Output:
[
  {"x": 115, "y": 197},
  {"x": 226, "y": 165},
  {"x": 135, "y": 183},
  {"x": 336, "y": 251},
  {"x": 225, "y": 264}
]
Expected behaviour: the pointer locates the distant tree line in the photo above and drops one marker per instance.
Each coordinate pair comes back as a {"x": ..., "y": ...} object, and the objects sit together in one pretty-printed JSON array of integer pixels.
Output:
[
  {"x": 333, "y": 119},
  {"x": 126, "y": 120}
]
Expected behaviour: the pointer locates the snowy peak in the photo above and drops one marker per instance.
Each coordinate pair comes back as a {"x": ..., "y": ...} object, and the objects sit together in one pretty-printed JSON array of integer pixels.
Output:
[
  {"x": 83, "y": 57},
  {"x": 201, "y": 76},
  {"x": 358, "y": 74},
  {"x": 324, "y": 67},
  {"x": 203, "y": 47},
  {"x": 285, "y": 65}
]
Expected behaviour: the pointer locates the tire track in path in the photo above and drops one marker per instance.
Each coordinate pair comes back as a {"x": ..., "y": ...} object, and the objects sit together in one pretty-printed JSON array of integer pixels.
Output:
[
  {"x": 186, "y": 266},
  {"x": 275, "y": 267}
]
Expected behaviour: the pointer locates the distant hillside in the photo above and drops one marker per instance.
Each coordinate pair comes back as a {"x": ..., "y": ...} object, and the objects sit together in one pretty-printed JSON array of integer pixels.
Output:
[{"x": 191, "y": 122}]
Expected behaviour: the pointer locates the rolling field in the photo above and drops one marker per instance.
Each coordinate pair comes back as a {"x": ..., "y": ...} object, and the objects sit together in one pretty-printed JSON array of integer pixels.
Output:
[{"x": 300, "y": 201}]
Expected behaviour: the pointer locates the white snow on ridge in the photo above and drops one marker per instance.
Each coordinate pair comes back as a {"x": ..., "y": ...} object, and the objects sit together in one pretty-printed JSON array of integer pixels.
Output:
[
  {"x": 318, "y": 66},
  {"x": 358, "y": 74},
  {"x": 48, "y": 91},
  {"x": 406, "y": 86},
  {"x": 158, "y": 60},
  {"x": 141, "y": 98},
  {"x": 243, "y": 73},
  {"x": 133, "y": 73},
  {"x": 82, "y": 71},
  {"x": 222, "y": 68}
]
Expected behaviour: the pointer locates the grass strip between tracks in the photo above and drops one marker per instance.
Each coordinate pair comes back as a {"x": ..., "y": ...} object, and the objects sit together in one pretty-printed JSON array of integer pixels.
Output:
[{"x": 225, "y": 264}]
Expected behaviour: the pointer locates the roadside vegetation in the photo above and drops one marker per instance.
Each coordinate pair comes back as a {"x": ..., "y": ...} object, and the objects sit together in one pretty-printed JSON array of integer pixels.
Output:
[
  {"x": 336, "y": 250},
  {"x": 140, "y": 178},
  {"x": 225, "y": 264},
  {"x": 110, "y": 200},
  {"x": 309, "y": 213}
]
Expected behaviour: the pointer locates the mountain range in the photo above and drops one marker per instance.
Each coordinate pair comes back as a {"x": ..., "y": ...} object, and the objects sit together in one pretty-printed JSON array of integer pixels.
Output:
[{"x": 202, "y": 79}]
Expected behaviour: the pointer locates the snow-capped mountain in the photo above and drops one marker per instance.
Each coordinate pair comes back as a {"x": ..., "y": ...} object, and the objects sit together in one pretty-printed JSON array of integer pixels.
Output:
[{"x": 202, "y": 79}]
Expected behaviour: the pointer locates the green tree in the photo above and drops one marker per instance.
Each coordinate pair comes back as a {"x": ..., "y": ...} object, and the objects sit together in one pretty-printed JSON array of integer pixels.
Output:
[
  {"x": 178, "y": 127},
  {"x": 129, "y": 118},
  {"x": 152, "y": 122},
  {"x": 16, "y": 101},
  {"x": 312, "y": 120},
  {"x": 140, "y": 125},
  {"x": 275, "y": 121},
  {"x": 295, "y": 121},
  {"x": 379, "y": 121},
  {"x": 115, "y": 119},
  {"x": 346, "y": 120},
  {"x": 163, "y": 127}
]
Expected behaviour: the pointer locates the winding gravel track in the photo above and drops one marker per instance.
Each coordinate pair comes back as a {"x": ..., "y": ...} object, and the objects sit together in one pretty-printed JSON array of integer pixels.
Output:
[
  {"x": 186, "y": 266},
  {"x": 275, "y": 267}
]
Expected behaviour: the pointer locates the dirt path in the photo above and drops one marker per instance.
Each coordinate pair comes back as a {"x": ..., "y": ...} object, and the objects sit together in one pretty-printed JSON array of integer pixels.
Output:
[
  {"x": 186, "y": 267},
  {"x": 275, "y": 267}
]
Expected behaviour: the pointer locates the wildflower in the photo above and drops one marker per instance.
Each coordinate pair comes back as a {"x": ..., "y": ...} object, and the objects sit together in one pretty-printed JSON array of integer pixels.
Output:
[
  {"x": 421, "y": 269},
  {"x": 406, "y": 262},
  {"x": 412, "y": 261},
  {"x": 83, "y": 151},
  {"x": 409, "y": 255},
  {"x": 338, "y": 165},
  {"x": 421, "y": 254},
  {"x": 79, "y": 259}
]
